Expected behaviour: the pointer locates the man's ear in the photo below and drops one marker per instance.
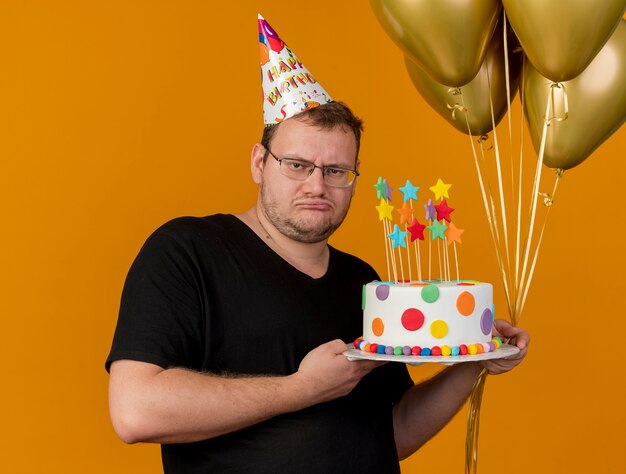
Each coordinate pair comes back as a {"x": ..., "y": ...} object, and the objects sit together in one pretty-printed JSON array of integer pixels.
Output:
[{"x": 256, "y": 162}]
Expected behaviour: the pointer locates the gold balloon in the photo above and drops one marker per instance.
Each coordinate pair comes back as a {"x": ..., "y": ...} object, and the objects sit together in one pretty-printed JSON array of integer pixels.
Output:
[
  {"x": 561, "y": 37},
  {"x": 446, "y": 38},
  {"x": 594, "y": 102},
  {"x": 475, "y": 93}
]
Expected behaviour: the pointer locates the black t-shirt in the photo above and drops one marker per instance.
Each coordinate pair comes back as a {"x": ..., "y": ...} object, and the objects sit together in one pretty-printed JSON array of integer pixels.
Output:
[{"x": 208, "y": 294}]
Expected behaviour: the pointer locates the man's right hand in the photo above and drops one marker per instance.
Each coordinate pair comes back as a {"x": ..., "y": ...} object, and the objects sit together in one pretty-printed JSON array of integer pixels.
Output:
[{"x": 325, "y": 373}]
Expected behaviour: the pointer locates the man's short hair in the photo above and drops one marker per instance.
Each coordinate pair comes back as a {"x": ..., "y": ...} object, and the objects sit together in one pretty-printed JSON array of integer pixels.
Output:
[{"x": 326, "y": 117}]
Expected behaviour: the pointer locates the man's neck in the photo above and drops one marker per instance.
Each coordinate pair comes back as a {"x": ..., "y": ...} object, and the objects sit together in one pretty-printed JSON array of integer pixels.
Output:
[{"x": 309, "y": 258}]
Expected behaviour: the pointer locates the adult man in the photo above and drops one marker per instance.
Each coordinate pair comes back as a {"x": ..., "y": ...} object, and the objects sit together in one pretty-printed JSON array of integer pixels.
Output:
[
  {"x": 228, "y": 349},
  {"x": 235, "y": 422}
]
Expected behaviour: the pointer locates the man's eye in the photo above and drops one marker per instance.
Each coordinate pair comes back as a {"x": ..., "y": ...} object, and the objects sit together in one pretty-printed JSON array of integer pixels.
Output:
[
  {"x": 294, "y": 165},
  {"x": 336, "y": 171}
]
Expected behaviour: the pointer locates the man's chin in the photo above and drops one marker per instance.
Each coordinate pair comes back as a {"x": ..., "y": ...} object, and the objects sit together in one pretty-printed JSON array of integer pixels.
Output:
[{"x": 311, "y": 236}]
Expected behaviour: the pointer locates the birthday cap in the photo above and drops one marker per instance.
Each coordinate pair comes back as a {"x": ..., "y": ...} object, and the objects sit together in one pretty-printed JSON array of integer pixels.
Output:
[{"x": 288, "y": 86}]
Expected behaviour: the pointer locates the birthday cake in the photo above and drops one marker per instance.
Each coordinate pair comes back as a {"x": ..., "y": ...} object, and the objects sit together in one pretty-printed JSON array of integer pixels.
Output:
[
  {"x": 425, "y": 317},
  {"x": 433, "y": 318}
]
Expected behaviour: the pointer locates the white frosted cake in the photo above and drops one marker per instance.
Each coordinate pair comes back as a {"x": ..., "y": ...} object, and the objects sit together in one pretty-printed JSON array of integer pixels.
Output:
[{"x": 429, "y": 318}]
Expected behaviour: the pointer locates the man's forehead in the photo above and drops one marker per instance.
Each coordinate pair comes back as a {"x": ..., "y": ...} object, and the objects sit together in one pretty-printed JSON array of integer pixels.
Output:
[{"x": 299, "y": 123}]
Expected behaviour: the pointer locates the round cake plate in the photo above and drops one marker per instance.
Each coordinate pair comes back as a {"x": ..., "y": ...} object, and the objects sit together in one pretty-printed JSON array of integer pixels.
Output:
[{"x": 506, "y": 350}]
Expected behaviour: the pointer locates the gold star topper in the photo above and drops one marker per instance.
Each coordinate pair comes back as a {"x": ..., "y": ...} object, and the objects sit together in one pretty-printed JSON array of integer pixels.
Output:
[{"x": 440, "y": 189}]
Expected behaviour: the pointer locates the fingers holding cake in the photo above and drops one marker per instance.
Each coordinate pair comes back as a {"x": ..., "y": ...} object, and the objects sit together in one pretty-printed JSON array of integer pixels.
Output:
[
  {"x": 517, "y": 337},
  {"x": 325, "y": 373}
]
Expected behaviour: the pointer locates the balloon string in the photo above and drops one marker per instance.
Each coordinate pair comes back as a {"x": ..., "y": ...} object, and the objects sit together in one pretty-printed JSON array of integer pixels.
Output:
[
  {"x": 519, "y": 190},
  {"x": 471, "y": 443},
  {"x": 507, "y": 78},
  {"x": 500, "y": 186},
  {"x": 495, "y": 231},
  {"x": 533, "y": 208},
  {"x": 507, "y": 83},
  {"x": 498, "y": 241},
  {"x": 548, "y": 201},
  {"x": 473, "y": 421},
  {"x": 455, "y": 108},
  {"x": 565, "y": 113},
  {"x": 490, "y": 216}
]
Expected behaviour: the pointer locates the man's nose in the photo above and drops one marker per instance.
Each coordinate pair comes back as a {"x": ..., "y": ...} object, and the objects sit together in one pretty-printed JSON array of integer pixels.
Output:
[{"x": 315, "y": 181}]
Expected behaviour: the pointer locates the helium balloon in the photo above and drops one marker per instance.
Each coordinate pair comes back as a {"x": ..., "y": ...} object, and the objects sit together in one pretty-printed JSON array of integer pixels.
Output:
[
  {"x": 490, "y": 80},
  {"x": 594, "y": 102},
  {"x": 561, "y": 37},
  {"x": 447, "y": 38}
]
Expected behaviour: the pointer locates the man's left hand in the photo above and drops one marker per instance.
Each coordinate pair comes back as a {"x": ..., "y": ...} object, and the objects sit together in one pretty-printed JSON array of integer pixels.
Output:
[{"x": 517, "y": 337}]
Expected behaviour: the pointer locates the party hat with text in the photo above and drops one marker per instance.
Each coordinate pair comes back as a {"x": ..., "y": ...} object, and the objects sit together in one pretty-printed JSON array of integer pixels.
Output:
[{"x": 288, "y": 86}]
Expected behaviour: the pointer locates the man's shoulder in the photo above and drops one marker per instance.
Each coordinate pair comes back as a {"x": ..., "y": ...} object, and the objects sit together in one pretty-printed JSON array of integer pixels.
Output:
[
  {"x": 192, "y": 226},
  {"x": 189, "y": 232}
]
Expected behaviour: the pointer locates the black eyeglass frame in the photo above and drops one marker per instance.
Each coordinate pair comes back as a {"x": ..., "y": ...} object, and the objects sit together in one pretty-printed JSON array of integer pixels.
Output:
[{"x": 352, "y": 172}]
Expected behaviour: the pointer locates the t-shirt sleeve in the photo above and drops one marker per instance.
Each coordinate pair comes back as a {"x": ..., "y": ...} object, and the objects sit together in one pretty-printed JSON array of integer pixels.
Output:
[{"x": 160, "y": 319}]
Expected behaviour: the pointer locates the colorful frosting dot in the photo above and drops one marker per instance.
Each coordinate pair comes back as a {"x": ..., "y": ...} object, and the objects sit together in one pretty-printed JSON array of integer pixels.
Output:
[
  {"x": 486, "y": 347},
  {"x": 412, "y": 319},
  {"x": 471, "y": 349},
  {"x": 439, "y": 329},
  {"x": 380, "y": 349},
  {"x": 436, "y": 351},
  {"x": 416, "y": 350},
  {"x": 397, "y": 350},
  {"x": 389, "y": 350},
  {"x": 446, "y": 351},
  {"x": 425, "y": 351},
  {"x": 373, "y": 348},
  {"x": 382, "y": 292},
  {"x": 378, "y": 327},
  {"x": 406, "y": 350},
  {"x": 465, "y": 303},
  {"x": 497, "y": 341},
  {"x": 479, "y": 348},
  {"x": 363, "y": 298},
  {"x": 463, "y": 349},
  {"x": 430, "y": 293},
  {"x": 486, "y": 321},
  {"x": 455, "y": 351}
]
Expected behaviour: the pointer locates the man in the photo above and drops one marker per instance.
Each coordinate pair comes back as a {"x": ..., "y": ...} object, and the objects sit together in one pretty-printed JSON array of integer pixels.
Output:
[{"x": 228, "y": 349}]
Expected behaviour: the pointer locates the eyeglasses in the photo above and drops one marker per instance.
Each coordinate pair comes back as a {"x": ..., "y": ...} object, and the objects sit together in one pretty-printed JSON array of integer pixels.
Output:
[{"x": 301, "y": 169}]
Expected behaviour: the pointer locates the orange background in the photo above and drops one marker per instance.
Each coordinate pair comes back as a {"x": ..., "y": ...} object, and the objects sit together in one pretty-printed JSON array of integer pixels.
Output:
[{"x": 119, "y": 115}]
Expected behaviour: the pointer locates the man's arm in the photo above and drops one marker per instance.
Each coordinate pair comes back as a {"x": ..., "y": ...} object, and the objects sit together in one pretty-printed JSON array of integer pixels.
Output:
[
  {"x": 150, "y": 404},
  {"x": 426, "y": 408}
]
